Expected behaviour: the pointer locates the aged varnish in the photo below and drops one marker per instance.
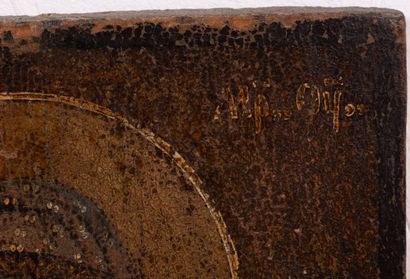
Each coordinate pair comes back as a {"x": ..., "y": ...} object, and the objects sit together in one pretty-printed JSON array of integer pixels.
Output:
[{"x": 255, "y": 143}]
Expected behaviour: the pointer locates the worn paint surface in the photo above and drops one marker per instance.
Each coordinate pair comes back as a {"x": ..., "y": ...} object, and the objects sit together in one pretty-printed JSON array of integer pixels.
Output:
[{"x": 279, "y": 137}]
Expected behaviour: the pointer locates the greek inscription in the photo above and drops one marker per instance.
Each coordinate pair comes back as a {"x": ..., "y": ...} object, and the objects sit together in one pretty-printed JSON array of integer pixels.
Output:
[{"x": 310, "y": 99}]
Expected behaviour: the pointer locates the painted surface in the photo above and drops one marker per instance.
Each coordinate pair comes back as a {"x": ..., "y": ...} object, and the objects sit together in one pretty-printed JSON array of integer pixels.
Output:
[{"x": 294, "y": 123}]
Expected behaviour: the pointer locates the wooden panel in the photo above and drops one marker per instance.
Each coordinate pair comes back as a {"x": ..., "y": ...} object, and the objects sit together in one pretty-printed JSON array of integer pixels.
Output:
[{"x": 264, "y": 143}]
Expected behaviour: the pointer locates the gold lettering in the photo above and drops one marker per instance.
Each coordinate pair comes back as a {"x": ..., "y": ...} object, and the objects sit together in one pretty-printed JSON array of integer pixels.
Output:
[
  {"x": 336, "y": 108},
  {"x": 243, "y": 101},
  {"x": 317, "y": 92},
  {"x": 326, "y": 101},
  {"x": 310, "y": 98},
  {"x": 217, "y": 112},
  {"x": 277, "y": 115},
  {"x": 350, "y": 110},
  {"x": 300, "y": 96},
  {"x": 232, "y": 106},
  {"x": 260, "y": 111}
]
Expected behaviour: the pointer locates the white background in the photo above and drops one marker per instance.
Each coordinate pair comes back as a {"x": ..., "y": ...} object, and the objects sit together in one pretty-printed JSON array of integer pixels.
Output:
[{"x": 36, "y": 7}]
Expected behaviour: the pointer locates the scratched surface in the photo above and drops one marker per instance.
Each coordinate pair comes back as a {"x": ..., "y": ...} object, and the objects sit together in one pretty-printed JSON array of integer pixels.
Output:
[{"x": 270, "y": 142}]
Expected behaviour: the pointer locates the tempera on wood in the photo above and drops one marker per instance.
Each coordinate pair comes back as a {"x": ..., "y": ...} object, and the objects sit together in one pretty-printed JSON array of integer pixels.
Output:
[{"x": 255, "y": 143}]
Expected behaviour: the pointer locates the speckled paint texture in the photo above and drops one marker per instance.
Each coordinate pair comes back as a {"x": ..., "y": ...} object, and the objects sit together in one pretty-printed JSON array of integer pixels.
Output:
[{"x": 264, "y": 143}]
